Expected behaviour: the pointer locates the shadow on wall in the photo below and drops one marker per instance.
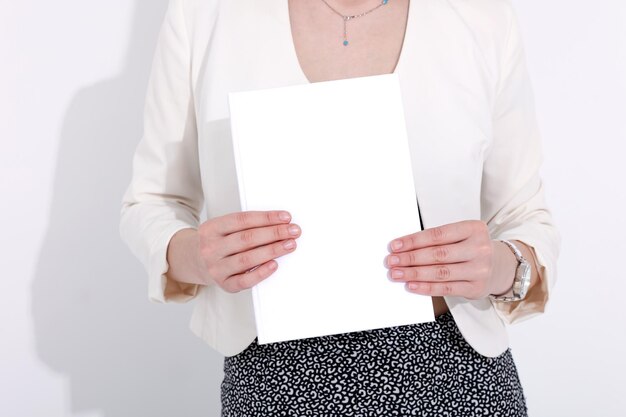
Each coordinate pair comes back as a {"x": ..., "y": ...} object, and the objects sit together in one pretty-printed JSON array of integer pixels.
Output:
[{"x": 123, "y": 355}]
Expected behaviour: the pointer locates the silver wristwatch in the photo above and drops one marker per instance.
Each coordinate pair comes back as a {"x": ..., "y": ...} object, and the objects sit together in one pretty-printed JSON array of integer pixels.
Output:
[{"x": 522, "y": 276}]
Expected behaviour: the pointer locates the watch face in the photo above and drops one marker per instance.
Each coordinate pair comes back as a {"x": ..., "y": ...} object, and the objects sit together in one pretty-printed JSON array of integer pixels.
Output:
[{"x": 525, "y": 274}]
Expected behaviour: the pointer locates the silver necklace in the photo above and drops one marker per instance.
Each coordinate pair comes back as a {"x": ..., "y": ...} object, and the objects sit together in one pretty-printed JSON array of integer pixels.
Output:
[{"x": 350, "y": 17}]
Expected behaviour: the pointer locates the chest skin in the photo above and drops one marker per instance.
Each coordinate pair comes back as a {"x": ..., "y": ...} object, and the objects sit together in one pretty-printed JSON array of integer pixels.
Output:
[{"x": 375, "y": 40}]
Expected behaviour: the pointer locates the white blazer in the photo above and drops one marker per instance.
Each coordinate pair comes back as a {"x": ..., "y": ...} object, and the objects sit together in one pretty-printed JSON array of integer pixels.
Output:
[{"x": 474, "y": 142}]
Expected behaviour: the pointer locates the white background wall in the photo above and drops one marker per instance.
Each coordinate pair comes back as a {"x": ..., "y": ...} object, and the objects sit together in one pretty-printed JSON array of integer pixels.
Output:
[{"x": 80, "y": 338}]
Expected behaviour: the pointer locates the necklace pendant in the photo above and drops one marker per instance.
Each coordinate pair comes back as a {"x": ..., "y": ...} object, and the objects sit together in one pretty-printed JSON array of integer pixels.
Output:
[{"x": 351, "y": 17}]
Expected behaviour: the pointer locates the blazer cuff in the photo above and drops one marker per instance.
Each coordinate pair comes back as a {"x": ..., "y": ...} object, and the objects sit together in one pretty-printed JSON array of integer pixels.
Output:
[{"x": 160, "y": 288}]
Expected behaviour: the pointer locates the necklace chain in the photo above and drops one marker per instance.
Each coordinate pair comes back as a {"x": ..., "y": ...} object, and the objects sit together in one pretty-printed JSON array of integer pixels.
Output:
[{"x": 350, "y": 17}]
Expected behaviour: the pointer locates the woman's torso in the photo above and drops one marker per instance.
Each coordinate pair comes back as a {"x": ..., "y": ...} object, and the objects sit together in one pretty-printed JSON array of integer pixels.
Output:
[{"x": 447, "y": 63}]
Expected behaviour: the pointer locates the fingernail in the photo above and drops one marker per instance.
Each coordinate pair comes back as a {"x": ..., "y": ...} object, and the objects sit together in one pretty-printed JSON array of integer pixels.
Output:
[
  {"x": 396, "y": 273},
  {"x": 393, "y": 260},
  {"x": 272, "y": 265},
  {"x": 284, "y": 216},
  {"x": 396, "y": 244},
  {"x": 294, "y": 230},
  {"x": 290, "y": 244}
]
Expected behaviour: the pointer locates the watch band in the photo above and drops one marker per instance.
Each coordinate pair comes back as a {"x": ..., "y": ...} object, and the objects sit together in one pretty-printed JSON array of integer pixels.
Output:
[{"x": 522, "y": 276}]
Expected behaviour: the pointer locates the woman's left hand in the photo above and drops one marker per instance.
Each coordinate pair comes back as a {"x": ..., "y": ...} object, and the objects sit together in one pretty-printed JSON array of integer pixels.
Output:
[{"x": 455, "y": 259}]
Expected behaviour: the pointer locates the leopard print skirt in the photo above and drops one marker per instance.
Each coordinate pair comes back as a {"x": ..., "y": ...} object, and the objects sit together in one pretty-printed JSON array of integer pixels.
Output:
[{"x": 425, "y": 369}]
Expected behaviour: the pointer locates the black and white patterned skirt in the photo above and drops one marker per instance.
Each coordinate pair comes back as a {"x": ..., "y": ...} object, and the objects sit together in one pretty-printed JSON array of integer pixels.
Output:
[{"x": 424, "y": 369}]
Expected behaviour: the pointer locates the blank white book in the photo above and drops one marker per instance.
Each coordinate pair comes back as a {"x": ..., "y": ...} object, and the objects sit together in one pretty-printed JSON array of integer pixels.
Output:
[{"x": 335, "y": 155}]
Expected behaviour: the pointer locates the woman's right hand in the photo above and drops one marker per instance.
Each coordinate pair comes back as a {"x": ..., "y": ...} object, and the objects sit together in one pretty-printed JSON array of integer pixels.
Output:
[{"x": 237, "y": 251}]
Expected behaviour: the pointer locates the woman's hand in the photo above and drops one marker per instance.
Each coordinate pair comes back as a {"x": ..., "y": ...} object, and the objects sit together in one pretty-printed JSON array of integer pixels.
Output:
[
  {"x": 456, "y": 259},
  {"x": 235, "y": 251}
]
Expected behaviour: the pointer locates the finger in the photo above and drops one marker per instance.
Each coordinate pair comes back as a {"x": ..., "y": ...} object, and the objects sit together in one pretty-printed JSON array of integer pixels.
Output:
[
  {"x": 249, "y": 279},
  {"x": 243, "y": 261},
  {"x": 448, "y": 233},
  {"x": 462, "y": 271},
  {"x": 234, "y": 222},
  {"x": 440, "y": 289},
  {"x": 251, "y": 238},
  {"x": 434, "y": 255}
]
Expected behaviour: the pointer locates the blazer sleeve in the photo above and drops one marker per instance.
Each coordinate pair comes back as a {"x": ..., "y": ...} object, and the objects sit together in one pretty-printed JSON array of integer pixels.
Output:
[
  {"x": 165, "y": 192},
  {"x": 512, "y": 196}
]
